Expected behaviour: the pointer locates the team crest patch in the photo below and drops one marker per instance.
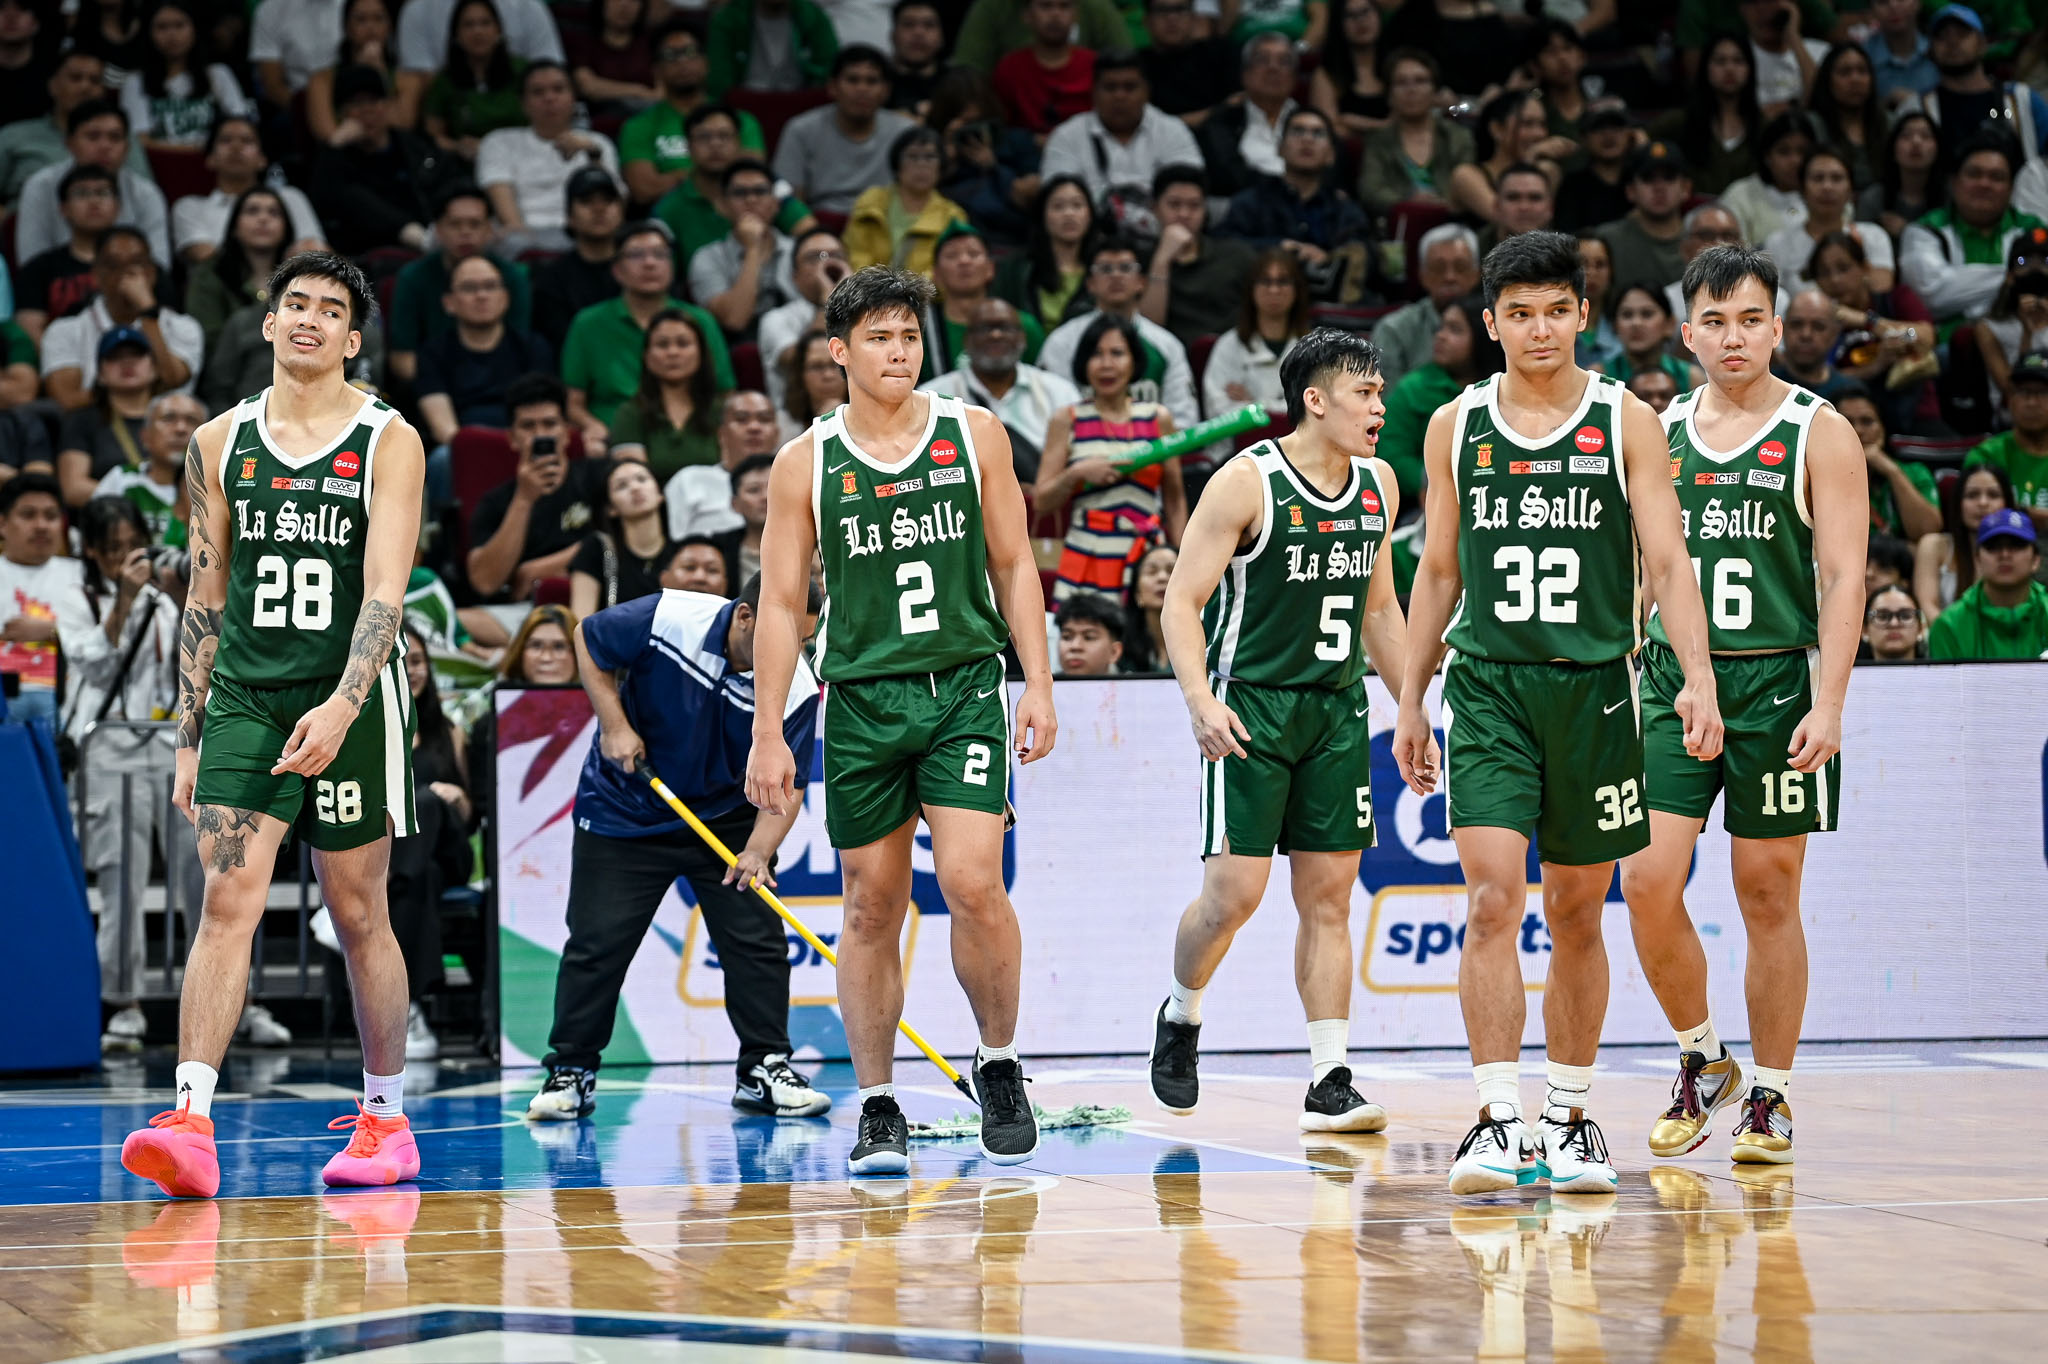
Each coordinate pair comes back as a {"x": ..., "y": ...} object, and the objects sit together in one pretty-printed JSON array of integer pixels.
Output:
[
  {"x": 1771, "y": 452},
  {"x": 1486, "y": 456},
  {"x": 847, "y": 484},
  {"x": 944, "y": 452},
  {"x": 249, "y": 466},
  {"x": 1294, "y": 515},
  {"x": 347, "y": 464},
  {"x": 1677, "y": 469}
]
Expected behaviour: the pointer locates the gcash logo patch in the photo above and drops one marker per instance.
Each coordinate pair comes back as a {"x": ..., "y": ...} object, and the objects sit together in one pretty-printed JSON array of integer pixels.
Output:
[
  {"x": 1771, "y": 452},
  {"x": 1764, "y": 478},
  {"x": 292, "y": 485},
  {"x": 1369, "y": 500},
  {"x": 342, "y": 487},
  {"x": 1535, "y": 466},
  {"x": 1591, "y": 440},
  {"x": 1589, "y": 464},
  {"x": 942, "y": 477},
  {"x": 347, "y": 464},
  {"x": 944, "y": 452},
  {"x": 1711, "y": 480},
  {"x": 907, "y": 485},
  {"x": 1327, "y": 526}
]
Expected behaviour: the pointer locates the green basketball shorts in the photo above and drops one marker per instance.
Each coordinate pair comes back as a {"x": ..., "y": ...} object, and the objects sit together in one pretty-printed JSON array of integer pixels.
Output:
[
  {"x": 1553, "y": 750},
  {"x": 896, "y": 744},
  {"x": 347, "y": 805},
  {"x": 1305, "y": 782},
  {"x": 1763, "y": 697}
]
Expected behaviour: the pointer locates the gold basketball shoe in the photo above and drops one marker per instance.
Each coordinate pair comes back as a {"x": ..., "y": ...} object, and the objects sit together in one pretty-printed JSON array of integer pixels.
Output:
[{"x": 1702, "y": 1089}]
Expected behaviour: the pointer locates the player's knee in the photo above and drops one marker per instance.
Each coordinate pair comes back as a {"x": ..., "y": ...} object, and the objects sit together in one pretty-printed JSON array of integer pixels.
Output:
[
  {"x": 229, "y": 906},
  {"x": 1493, "y": 909},
  {"x": 355, "y": 919},
  {"x": 1770, "y": 901},
  {"x": 1573, "y": 925},
  {"x": 1647, "y": 890},
  {"x": 974, "y": 896},
  {"x": 870, "y": 914}
]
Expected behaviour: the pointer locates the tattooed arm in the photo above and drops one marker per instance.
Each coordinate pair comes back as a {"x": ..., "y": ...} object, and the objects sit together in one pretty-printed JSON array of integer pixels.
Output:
[
  {"x": 388, "y": 549},
  {"x": 205, "y": 596}
]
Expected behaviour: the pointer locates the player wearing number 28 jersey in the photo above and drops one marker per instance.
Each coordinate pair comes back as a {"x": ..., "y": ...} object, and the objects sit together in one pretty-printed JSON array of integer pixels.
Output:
[
  {"x": 294, "y": 709},
  {"x": 1284, "y": 550},
  {"x": 911, "y": 501},
  {"x": 1773, "y": 489},
  {"x": 1547, "y": 486}
]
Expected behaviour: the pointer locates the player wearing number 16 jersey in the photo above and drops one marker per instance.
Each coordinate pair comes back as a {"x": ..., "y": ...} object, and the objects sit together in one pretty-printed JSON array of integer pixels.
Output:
[
  {"x": 1284, "y": 549},
  {"x": 1773, "y": 487},
  {"x": 1546, "y": 483},
  {"x": 294, "y": 710},
  {"x": 911, "y": 501}
]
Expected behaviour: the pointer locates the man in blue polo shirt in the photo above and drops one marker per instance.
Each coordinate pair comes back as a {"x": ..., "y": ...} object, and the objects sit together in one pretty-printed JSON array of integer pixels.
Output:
[{"x": 671, "y": 679}]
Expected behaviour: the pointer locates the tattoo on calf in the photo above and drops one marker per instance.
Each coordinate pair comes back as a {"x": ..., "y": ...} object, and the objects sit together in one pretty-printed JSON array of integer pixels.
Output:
[{"x": 229, "y": 830}]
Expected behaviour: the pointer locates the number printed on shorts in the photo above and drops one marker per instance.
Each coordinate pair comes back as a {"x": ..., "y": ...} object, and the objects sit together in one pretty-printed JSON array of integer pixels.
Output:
[
  {"x": 338, "y": 802},
  {"x": 915, "y": 578},
  {"x": 1365, "y": 807},
  {"x": 1619, "y": 805},
  {"x": 1547, "y": 598},
  {"x": 1784, "y": 792},
  {"x": 312, "y": 593},
  {"x": 1335, "y": 645},
  {"x": 976, "y": 771}
]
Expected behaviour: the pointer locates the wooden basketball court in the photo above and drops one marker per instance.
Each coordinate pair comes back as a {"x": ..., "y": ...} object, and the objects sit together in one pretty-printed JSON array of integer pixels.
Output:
[{"x": 669, "y": 1226}]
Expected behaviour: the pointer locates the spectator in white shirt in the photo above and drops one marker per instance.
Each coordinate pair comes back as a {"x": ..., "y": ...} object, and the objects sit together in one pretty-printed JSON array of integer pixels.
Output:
[
  {"x": 234, "y": 153},
  {"x": 1829, "y": 196},
  {"x": 1935, "y": 256},
  {"x": 1244, "y": 367},
  {"x": 994, "y": 375},
  {"x": 529, "y": 30},
  {"x": 127, "y": 280},
  {"x": 1785, "y": 59},
  {"x": 821, "y": 262},
  {"x": 288, "y": 41},
  {"x": 526, "y": 170},
  {"x": 752, "y": 269},
  {"x": 1116, "y": 281},
  {"x": 43, "y": 610},
  {"x": 699, "y": 497},
  {"x": 1123, "y": 140},
  {"x": 831, "y": 154},
  {"x": 179, "y": 90},
  {"x": 96, "y": 135}
]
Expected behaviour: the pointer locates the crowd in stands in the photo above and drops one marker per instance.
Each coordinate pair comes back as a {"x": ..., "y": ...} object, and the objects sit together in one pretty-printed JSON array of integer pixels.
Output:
[{"x": 602, "y": 234}]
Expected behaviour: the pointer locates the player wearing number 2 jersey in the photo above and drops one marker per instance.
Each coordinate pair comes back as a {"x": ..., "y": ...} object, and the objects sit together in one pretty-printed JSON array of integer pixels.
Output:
[
  {"x": 1283, "y": 550},
  {"x": 294, "y": 709},
  {"x": 1547, "y": 486},
  {"x": 911, "y": 501},
  {"x": 1772, "y": 485}
]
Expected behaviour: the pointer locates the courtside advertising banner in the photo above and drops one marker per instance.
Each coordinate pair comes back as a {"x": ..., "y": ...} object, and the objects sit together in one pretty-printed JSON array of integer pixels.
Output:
[{"x": 1926, "y": 914}]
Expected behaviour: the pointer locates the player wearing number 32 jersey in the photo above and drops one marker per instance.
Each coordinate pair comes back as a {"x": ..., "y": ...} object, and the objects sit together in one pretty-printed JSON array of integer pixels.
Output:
[
  {"x": 911, "y": 501},
  {"x": 1273, "y": 606},
  {"x": 1547, "y": 486},
  {"x": 294, "y": 709},
  {"x": 1773, "y": 488}
]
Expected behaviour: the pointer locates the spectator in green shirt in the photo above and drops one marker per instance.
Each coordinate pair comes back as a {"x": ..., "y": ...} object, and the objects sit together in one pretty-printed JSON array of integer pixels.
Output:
[
  {"x": 2004, "y": 614},
  {"x": 799, "y": 60},
  {"x": 654, "y": 149},
  {"x": 477, "y": 91},
  {"x": 1462, "y": 353},
  {"x": 2023, "y": 451},
  {"x": 690, "y": 210},
  {"x": 673, "y": 420},
  {"x": 462, "y": 227},
  {"x": 601, "y": 356},
  {"x": 1903, "y": 500}
]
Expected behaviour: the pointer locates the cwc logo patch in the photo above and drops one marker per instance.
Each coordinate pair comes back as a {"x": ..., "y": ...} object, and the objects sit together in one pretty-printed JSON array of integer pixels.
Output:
[
  {"x": 847, "y": 486},
  {"x": 1589, "y": 464},
  {"x": 942, "y": 477},
  {"x": 347, "y": 464},
  {"x": 1771, "y": 452},
  {"x": 1764, "y": 478},
  {"x": 1591, "y": 440},
  {"x": 1369, "y": 500},
  {"x": 944, "y": 452}
]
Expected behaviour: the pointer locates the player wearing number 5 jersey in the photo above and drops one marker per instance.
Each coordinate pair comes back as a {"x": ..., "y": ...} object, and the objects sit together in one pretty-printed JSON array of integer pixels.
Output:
[
  {"x": 911, "y": 502},
  {"x": 1283, "y": 550},
  {"x": 294, "y": 709},
  {"x": 1547, "y": 486},
  {"x": 1773, "y": 489}
]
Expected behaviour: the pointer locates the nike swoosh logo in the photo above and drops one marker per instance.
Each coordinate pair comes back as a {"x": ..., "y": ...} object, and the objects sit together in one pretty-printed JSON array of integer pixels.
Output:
[
  {"x": 755, "y": 1091},
  {"x": 984, "y": 695},
  {"x": 1613, "y": 708},
  {"x": 837, "y": 467},
  {"x": 1781, "y": 700},
  {"x": 1361, "y": 714}
]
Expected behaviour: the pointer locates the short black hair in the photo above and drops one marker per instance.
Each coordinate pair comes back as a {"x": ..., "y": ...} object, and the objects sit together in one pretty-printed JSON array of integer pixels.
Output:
[
  {"x": 1318, "y": 355},
  {"x": 362, "y": 304},
  {"x": 916, "y": 135},
  {"x": 88, "y": 110},
  {"x": 123, "y": 232},
  {"x": 876, "y": 289},
  {"x": 1983, "y": 140},
  {"x": 896, "y": 11},
  {"x": 1119, "y": 242},
  {"x": 21, "y": 485},
  {"x": 88, "y": 175},
  {"x": 750, "y": 594},
  {"x": 213, "y": 133},
  {"x": 1092, "y": 607},
  {"x": 861, "y": 54},
  {"x": 1895, "y": 555},
  {"x": 536, "y": 390},
  {"x": 642, "y": 227},
  {"x": 1306, "y": 111},
  {"x": 752, "y": 464},
  {"x": 1179, "y": 173},
  {"x": 704, "y": 113},
  {"x": 536, "y": 67},
  {"x": 455, "y": 193},
  {"x": 1538, "y": 258},
  {"x": 1099, "y": 326},
  {"x": 746, "y": 163},
  {"x": 1524, "y": 168},
  {"x": 1720, "y": 271},
  {"x": 1112, "y": 59}
]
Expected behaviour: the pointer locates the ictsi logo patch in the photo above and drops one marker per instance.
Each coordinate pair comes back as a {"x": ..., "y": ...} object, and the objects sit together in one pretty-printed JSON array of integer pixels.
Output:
[
  {"x": 1591, "y": 440},
  {"x": 347, "y": 464},
  {"x": 944, "y": 452},
  {"x": 1369, "y": 500},
  {"x": 1771, "y": 452}
]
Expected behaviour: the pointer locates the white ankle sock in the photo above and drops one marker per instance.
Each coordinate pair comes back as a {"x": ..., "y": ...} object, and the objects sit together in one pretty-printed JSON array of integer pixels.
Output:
[
  {"x": 886, "y": 1090},
  {"x": 1570, "y": 1086},
  {"x": 1764, "y": 1076},
  {"x": 984, "y": 1053},
  {"x": 1183, "y": 1005},
  {"x": 196, "y": 1080},
  {"x": 1702, "y": 1039},
  {"x": 1499, "y": 1082},
  {"x": 384, "y": 1095},
  {"x": 1326, "y": 1041}
]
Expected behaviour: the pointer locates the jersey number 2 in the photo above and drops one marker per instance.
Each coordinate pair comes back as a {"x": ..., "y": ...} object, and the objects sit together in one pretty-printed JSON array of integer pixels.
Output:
[
  {"x": 312, "y": 593},
  {"x": 915, "y": 579}
]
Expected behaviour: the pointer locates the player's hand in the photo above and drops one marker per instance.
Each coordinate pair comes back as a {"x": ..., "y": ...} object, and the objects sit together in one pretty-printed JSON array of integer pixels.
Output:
[
  {"x": 1415, "y": 750},
  {"x": 182, "y": 784},
  {"x": 1037, "y": 726},
  {"x": 771, "y": 775},
  {"x": 1699, "y": 711},
  {"x": 316, "y": 739},
  {"x": 1818, "y": 738},
  {"x": 1217, "y": 729},
  {"x": 749, "y": 870},
  {"x": 622, "y": 746}
]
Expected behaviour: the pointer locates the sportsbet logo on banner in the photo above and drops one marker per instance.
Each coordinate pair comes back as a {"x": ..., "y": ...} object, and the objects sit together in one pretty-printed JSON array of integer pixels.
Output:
[{"x": 1103, "y": 862}]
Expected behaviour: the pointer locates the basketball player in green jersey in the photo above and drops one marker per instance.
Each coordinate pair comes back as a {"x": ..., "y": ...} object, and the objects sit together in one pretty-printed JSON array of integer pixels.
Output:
[
  {"x": 1272, "y": 609},
  {"x": 1543, "y": 483},
  {"x": 1772, "y": 485},
  {"x": 911, "y": 502},
  {"x": 294, "y": 709}
]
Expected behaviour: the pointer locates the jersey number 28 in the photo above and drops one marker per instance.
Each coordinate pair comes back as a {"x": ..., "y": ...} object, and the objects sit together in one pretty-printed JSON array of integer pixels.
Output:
[{"x": 311, "y": 588}]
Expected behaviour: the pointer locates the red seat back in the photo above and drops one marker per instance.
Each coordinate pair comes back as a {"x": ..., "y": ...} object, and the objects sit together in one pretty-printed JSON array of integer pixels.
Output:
[
  {"x": 773, "y": 108},
  {"x": 180, "y": 172},
  {"x": 1198, "y": 359},
  {"x": 1412, "y": 218}
]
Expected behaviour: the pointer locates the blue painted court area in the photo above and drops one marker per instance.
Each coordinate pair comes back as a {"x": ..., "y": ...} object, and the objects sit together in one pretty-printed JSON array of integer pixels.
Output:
[{"x": 661, "y": 1126}]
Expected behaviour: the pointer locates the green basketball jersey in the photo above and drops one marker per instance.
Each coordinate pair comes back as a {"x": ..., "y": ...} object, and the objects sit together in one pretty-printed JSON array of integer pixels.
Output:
[
  {"x": 1290, "y": 610},
  {"x": 296, "y": 526},
  {"x": 1545, "y": 542},
  {"x": 1749, "y": 529},
  {"x": 906, "y": 565}
]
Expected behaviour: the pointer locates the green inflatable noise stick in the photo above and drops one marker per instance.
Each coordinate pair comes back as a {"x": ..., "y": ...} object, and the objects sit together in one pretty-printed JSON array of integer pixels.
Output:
[{"x": 1250, "y": 417}]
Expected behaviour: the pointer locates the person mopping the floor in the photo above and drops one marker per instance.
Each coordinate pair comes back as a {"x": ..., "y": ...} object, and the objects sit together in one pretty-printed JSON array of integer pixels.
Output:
[{"x": 671, "y": 679}]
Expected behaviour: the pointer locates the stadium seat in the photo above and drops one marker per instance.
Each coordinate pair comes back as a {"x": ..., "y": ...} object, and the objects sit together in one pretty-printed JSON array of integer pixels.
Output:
[
  {"x": 480, "y": 458},
  {"x": 179, "y": 172},
  {"x": 1412, "y": 218},
  {"x": 551, "y": 591},
  {"x": 747, "y": 372},
  {"x": 1274, "y": 428},
  {"x": 773, "y": 108},
  {"x": 1198, "y": 359},
  {"x": 1935, "y": 451},
  {"x": 835, "y": 223}
]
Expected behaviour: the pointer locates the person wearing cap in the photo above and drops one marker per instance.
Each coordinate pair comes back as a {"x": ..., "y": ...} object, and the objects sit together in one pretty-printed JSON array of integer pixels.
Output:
[
  {"x": 2022, "y": 452},
  {"x": 1955, "y": 257},
  {"x": 1646, "y": 243},
  {"x": 582, "y": 275},
  {"x": 654, "y": 148},
  {"x": 752, "y": 271},
  {"x": 1597, "y": 192},
  {"x": 1784, "y": 57},
  {"x": 373, "y": 180},
  {"x": 964, "y": 270},
  {"x": 234, "y": 153},
  {"x": 126, "y": 275},
  {"x": 106, "y": 434},
  {"x": 2004, "y": 614},
  {"x": 1967, "y": 97},
  {"x": 526, "y": 171},
  {"x": 1899, "y": 64}
]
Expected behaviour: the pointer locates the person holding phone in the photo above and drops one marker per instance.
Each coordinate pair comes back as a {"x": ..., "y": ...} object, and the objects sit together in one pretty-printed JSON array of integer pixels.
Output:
[{"x": 528, "y": 529}]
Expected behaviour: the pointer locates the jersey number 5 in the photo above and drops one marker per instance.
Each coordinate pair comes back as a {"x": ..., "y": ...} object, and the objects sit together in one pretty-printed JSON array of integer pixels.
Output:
[
  {"x": 1335, "y": 645},
  {"x": 311, "y": 588}
]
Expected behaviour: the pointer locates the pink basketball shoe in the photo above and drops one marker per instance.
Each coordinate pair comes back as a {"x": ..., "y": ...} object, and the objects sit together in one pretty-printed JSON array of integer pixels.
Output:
[
  {"x": 381, "y": 1151},
  {"x": 175, "y": 1150}
]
